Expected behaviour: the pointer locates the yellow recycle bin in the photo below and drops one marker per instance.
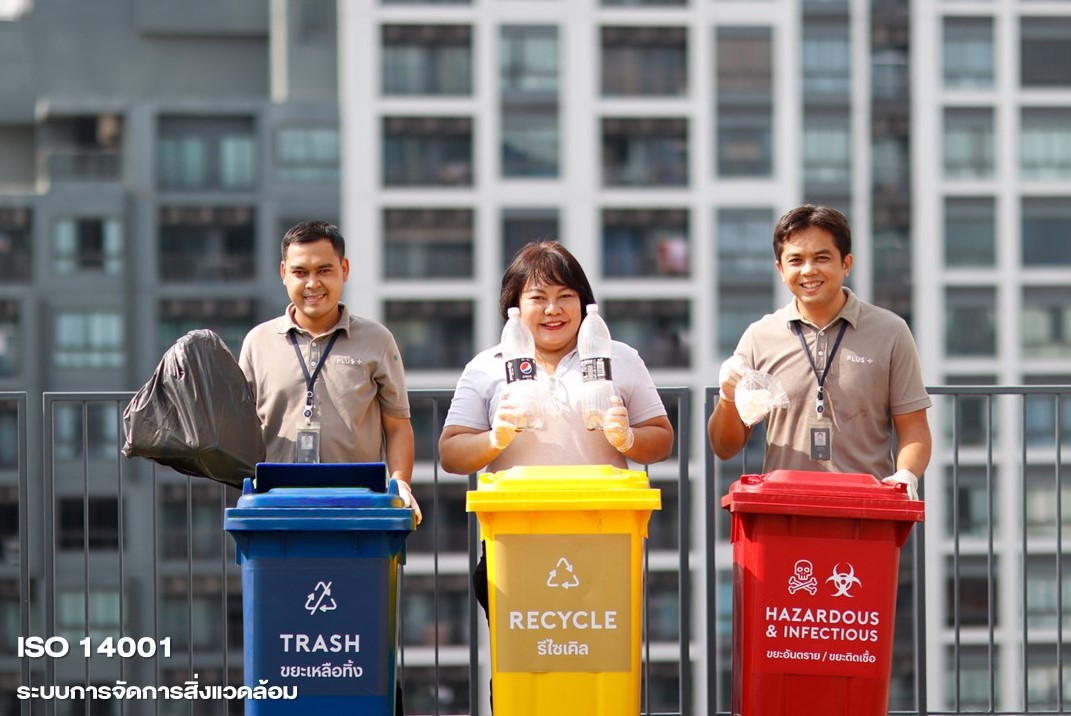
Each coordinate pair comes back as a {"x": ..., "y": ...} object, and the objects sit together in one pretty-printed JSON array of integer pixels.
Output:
[{"x": 565, "y": 580}]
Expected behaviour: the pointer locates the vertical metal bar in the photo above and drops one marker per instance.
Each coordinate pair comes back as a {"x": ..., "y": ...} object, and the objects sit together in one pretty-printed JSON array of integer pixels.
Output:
[
  {"x": 435, "y": 539},
  {"x": 122, "y": 541},
  {"x": 711, "y": 496},
  {"x": 189, "y": 584},
  {"x": 684, "y": 502},
  {"x": 22, "y": 423},
  {"x": 474, "y": 613},
  {"x": 957, "y": 627},
  {"x": 48, "y": 464},
  {"x": 646, "y": 637},
  {"x": 919, "y": 539},
  {"x": 1024, "y": 593},
  {"x": 156, "y": 576},
  {"x": 85, "y": 536},
  {"x": 1059, "y": 564},
  {"x": 224, "y": 591},
  {"x": 990, "y": 561}
]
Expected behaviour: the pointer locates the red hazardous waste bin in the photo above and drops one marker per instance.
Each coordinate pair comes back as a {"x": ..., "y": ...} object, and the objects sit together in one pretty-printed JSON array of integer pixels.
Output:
[{"x": 815, "y": 561}]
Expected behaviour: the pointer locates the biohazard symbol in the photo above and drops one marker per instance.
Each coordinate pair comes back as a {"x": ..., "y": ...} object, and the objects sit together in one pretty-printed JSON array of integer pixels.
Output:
[
  {"x": 803, "y": 578},
  {"x": 843, "y": 581},
  {"x": 563, "y": 575},
  {"x": 321, "y": 600}
]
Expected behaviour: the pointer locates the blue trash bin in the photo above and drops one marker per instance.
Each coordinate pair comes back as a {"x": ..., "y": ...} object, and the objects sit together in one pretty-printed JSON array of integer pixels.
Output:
[{"x": 319, "y": 546}]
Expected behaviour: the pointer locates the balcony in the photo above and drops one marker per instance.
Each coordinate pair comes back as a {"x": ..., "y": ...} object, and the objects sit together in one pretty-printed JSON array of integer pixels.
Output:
[{"x": 111, "y": 547}]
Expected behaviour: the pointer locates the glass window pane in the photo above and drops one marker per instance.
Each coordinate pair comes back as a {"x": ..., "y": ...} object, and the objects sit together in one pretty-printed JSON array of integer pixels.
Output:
[
  {"x": 968, "y": 52},
  {"x": 1046, "y": 322},
  {"x": 433, "y": 335},
  {"x": 1045, "y": 144},
  {"x": 203, "y": 153},
  {"x": 427, "y": 151},
  {"x": 1046, "y": 228},
  {"x": 827, "y": 60},
  {"x": 645, "y": 152},
  {"x": 16, "y": 245},
  {"x": 744, "y": 101},
  {"x": 520, "y": 226},
  {"x": 970, "y": 231},
  {"x": 428, "y": 243},
  {"x": 203, "y": 243},
  {"x": 969, "y": 144},
  {"x": 659, "y": 330},
  {"x": 427, "y": 60},
  {"x": 970, "y": 322},
  {"x": 645, "y": 242},
  {"x": 1045, "y": 51},
  {"x": 644, "y": 61},
  {"x": 307, "y": 155}
]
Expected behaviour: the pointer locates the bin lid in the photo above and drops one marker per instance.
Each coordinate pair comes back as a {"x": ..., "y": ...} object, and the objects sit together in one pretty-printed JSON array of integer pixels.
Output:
[
  {"x": 372, "y": 475},
  {"x": 563, "y": 487},
  {"x": 821, "y": 494},
  {"x": 317, "y": 508}
]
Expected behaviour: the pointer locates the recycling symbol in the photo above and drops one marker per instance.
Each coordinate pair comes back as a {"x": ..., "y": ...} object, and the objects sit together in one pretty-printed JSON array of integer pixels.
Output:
[
  {"x": 321, "y": 600},
  {"x": 563, "y": 575}
]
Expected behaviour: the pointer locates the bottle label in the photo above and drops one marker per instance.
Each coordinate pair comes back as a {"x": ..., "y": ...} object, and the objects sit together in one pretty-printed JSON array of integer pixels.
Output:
[
  {"x": 595, "y": 369},
  {"x": 520, "y": 369}
]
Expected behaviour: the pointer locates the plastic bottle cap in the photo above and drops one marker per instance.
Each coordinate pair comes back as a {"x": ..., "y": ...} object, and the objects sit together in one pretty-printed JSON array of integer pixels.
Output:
[
  {"x": 513, "y": 312},
  {"x": 593, "y": 308}
]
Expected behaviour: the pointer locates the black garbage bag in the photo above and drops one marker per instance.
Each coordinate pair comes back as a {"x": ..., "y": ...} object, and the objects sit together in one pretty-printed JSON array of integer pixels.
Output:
[{"x": 196, "y": 413}]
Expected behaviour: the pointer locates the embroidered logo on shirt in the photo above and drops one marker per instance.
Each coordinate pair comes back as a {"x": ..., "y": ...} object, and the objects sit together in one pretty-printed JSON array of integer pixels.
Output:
[{"x": 348, "y": 360}]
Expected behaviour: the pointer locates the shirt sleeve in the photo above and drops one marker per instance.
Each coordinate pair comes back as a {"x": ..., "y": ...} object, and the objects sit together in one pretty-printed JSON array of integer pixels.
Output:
[
  {"x": 907, "y": 392},
  {"x": 390, "y": 377},
  {"x": 634, "y": 383}
]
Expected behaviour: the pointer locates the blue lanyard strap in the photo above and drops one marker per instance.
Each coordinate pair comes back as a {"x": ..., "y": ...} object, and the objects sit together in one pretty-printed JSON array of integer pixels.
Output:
[
  {"x": 310, "y": 378},
  {"x": 820, "y": 404}
]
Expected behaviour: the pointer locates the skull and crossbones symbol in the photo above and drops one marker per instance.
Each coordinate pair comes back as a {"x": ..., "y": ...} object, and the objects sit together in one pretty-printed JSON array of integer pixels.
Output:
[{"x": 803, "y": 578}]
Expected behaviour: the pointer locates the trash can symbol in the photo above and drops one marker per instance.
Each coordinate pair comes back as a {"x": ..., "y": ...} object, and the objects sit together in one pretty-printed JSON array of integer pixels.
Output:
[
  {"x": 564, "y": 549},
  {"x": 320, "y": 546},
  {"x": 815, "y": 563}
]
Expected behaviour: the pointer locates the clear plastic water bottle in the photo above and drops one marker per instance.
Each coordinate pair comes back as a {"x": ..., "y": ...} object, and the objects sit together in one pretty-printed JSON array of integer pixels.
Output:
[
  {"x": 518, "y": 353},
  {"x": 593, "y": 343}
]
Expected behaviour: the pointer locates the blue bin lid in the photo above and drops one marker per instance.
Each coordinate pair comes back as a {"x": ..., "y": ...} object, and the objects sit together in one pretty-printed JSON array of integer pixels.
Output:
[{"x": 314, "y": 497}]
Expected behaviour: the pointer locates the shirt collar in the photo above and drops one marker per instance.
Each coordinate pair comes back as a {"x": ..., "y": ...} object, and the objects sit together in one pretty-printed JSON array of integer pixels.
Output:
[
  {"x": 287, "y": 323},
  {"x": 849, "y": 311}
]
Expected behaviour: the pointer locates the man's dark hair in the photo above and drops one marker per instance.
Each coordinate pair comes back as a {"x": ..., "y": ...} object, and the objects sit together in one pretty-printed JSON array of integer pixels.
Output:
[
  {"x": 309, "y": 231},
  {"x": 808, "y": 216},
  {"x": 546, "y": 262}
]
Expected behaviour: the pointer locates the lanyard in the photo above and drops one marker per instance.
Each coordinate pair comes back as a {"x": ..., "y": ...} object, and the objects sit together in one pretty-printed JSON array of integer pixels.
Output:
[
  {"x": 310, "y": 379},
  {"x": 820, "y": 403}
]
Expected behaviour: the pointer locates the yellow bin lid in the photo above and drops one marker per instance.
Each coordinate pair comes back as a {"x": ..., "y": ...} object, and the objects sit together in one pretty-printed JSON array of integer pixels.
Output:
[{"x": 563, "y": 487}]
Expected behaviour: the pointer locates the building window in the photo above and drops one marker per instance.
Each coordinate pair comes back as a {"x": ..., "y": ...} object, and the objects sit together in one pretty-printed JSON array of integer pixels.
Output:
[
  {"x": 432, "y": 335},
  {"x": 1044, "y": 608},
  {"x": 1045, "y": 51},
  {"x": 97, "y": 517},
  {"x": 92, "y": 429},
  {"x": 1045, "y": 144},
  {"x": 197, "y": 623},
  {"x": 427, "y": 151},
  {"x": 973, "y": 578},
  {"x": 9, "y": 435},
  {"x": 969, "y": 56},
  {"x": 1046, "y": 226},
  {"x": 969, "y": 502},
  {"x": 102, "y": 606},
  {"x": 231, "y": 319},
  {"x": 189, "y": 516},
  {"x": 645, "y": 242},
  {"x": 645, "y": 152},
  {"x": 204, "y": 243},
  {"x": 1046, "y": 323},
  {"x": 746, "y": 272},
  {"x": 436, "y": 614},
  {"x": 827, "y": 61},
  {"x": 744, "y": 101},
  {"x": 970, "y": 321},
  {"x": 969, "y": 143},
  {"x": 427, "y": 60},
  {"x": 659, "y": 329},
  {"x": 9, "y": 337},
  {"x": 827, "y": 151},
  {"x": 969, "y": 672},
  {"x": 87, "y": 244},
  {"x": 89, "y": 339},
  {"x": 16, "y": 245},
  {"x": 202, "y": 153},
  {"x": 643, "y": 3},
  {"x": 427, "y": 243},
  {"x": 644, "y": 61},
  {"x": 1048, "y": 415},
  {"x": 307, "y": 155},
  {"x": 972, "y": 420},
  {"x": 890, "y": 162},
  {"x": 970, "y": 231},
  {"x": 528, "y": 87},
  {"x": 521, "y": 226}
]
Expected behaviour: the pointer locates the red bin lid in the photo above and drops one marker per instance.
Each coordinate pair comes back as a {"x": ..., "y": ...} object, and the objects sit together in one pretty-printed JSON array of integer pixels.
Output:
[{"x": 822, "y": 494}]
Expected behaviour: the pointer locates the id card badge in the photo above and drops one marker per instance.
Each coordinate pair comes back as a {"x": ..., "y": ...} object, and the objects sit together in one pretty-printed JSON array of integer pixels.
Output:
[
  {"x": 820, "y": 439},
  {"x": 307, "y": 447}
]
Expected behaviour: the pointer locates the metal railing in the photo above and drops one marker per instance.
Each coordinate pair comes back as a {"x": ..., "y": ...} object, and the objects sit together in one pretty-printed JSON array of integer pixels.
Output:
[{"x": 124, "y": 548}]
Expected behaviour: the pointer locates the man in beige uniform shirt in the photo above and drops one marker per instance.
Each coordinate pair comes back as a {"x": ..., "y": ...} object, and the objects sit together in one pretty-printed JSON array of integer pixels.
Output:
[{"x": 851, "y": 369}]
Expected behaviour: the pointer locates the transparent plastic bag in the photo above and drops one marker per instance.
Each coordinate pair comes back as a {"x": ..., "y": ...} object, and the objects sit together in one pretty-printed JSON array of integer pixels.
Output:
[{"x": 757, "y": 394}]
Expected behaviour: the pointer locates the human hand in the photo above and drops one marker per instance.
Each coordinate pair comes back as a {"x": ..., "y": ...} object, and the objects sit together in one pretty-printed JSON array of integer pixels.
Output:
[
  {"x": 729, "y": 375},
  {"x": 507, "y": 422},
  {"x": 615, "y": 427},
  {"x": 905, "y": 477},
  {"x": 405, "y": 491}
]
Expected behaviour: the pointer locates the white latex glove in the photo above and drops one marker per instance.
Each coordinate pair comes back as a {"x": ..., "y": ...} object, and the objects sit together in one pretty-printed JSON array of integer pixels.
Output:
[
  {"x": 505, "y": 425},
  {"x": 729, "y": 374},
  {"x": 616, "y": 429},
  {"x": 905, "y": 477},
  {"x": 406, "y": 493}
]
